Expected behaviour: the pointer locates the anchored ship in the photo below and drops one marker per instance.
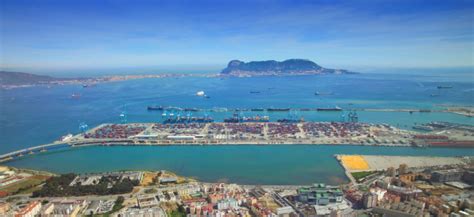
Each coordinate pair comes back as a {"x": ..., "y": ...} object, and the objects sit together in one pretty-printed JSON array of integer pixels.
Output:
[
  {"x": 335, "y": 109},
  {"x": 278, "y": 109}
]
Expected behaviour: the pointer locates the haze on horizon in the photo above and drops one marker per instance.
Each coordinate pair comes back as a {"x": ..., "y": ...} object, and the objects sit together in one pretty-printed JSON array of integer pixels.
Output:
[{"x": 42, "y": 36}]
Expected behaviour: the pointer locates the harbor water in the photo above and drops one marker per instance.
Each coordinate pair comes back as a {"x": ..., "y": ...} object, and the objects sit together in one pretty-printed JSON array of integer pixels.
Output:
[{"x": 40, "y": 115}]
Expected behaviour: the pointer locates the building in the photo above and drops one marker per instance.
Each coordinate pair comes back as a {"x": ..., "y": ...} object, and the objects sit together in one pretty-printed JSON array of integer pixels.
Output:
[
  {"x": 168, "y": 180},
  {"x": 48, "y": 209},
  {"x": 405, "y": 209},
  {"x": 148, "y": 212},
  {"x": 69, "y": 208},
  {"x": 30, "y": 210},
  {"x": 408, "y": 177},
  {"x": 468, "y": 177},
  {"x": 285, "y": 211},
  {"x": 402, "y": 169},
  {"x": 147, "y": 201},
  {"x": 319, "y": 194},
  {"x": 391, "y": 172},
  {"x": 370, "y": 200},
  {"x": 446, "y": 175},
  {"x": 4, "y": 208},
  {"x": 230, "y": 203}
]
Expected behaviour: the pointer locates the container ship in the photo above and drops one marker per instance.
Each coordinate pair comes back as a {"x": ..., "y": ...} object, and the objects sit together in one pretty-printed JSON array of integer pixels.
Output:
[
  {"x": 237, "y": 119},
  {"x": 278, "y": 109},
  {"x": 290, "y": 120},
  {"x": 335, "y": 109},
  {"x": 187, "y": 119}
]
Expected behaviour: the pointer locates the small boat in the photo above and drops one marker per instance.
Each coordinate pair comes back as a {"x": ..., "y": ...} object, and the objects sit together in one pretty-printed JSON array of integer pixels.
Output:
[
  {"x": 76, "y": 95},
  {"x": 323, "y": 93},
  {"x": 66, "y": 137},
  {"x": 200, "y": 93}
]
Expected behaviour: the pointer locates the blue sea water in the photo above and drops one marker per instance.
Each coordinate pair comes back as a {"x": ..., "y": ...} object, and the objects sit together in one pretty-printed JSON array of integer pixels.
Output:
[
  {"x": 245, "y": 164},
  {"x": 39, "y": 115}
]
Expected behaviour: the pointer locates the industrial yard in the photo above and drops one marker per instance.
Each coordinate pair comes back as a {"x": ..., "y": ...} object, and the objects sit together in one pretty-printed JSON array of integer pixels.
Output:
[{"x": 252, "y": 133}]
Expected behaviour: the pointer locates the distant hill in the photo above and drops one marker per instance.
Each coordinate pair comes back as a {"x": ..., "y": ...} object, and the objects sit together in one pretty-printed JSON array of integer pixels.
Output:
[
  {"x": 272, "y": 67},
  {"x": 21, "y": 78}
]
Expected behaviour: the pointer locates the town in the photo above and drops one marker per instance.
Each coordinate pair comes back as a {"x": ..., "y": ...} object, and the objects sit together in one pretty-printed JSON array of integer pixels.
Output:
[{"x": 443, "y": 189}]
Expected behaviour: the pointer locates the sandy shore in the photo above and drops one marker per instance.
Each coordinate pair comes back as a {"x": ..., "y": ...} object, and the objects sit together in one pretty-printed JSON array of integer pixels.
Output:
[{"x": 380, "y": 162}]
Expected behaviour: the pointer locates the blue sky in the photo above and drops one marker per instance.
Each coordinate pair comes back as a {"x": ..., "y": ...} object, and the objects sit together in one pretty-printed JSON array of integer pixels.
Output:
[{"x": 47, "y": 35}]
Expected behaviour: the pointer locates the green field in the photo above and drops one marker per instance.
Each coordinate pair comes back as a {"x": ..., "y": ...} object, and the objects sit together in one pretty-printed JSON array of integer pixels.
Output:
[
  {"x": 358, "y": 176},
  {"x": 25, "y": 186}
]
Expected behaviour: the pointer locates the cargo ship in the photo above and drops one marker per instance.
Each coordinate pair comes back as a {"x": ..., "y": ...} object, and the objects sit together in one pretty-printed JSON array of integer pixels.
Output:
[
  {"x": 290, "y": 120},
  {"x": 238, "y": 119},
  {"x": 278, "y": 109},
  {"x": 335, "y": 109},
  {"x": 257, "y": 109},
  {"x": 188, "y": 119},
  {"x": 423, "y": 128},
  {"x": 157, "y": 108},
  {"x": 254, "y": 92},
  {"x": 445, "y": 87},
  {"x": 191, "y": 109},
  {"x": 162, "y": 108}
]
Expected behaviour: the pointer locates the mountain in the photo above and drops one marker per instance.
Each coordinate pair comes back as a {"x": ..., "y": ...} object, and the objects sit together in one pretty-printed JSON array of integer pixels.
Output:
[
  {"x": 272, "y": 67},
  {"x": 21, "y": 78}
]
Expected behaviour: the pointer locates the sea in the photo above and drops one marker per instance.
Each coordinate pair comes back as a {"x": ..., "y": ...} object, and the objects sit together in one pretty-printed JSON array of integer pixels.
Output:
[{"x": 39, "y": 115}]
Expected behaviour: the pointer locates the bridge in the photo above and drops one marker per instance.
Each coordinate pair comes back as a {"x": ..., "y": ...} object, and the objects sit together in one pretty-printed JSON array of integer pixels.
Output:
[
  {"x": 58, "y": 144},
  {"x": 30, "y": 150}
]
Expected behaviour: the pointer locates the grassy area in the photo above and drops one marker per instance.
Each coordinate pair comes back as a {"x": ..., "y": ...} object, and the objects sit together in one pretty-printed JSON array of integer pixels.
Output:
[
  {"x": 26, "y": 185},
  {"x": 177, "y": 213},
  {"x": 358, "y": 176}
]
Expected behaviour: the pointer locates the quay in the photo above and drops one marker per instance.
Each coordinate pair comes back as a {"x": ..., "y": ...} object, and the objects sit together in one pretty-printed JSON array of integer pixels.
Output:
[{"x": 254, "y": 133}]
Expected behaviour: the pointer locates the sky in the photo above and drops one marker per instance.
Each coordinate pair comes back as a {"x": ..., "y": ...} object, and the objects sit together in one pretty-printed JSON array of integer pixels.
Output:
[{"x": 48, "y": 36}]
